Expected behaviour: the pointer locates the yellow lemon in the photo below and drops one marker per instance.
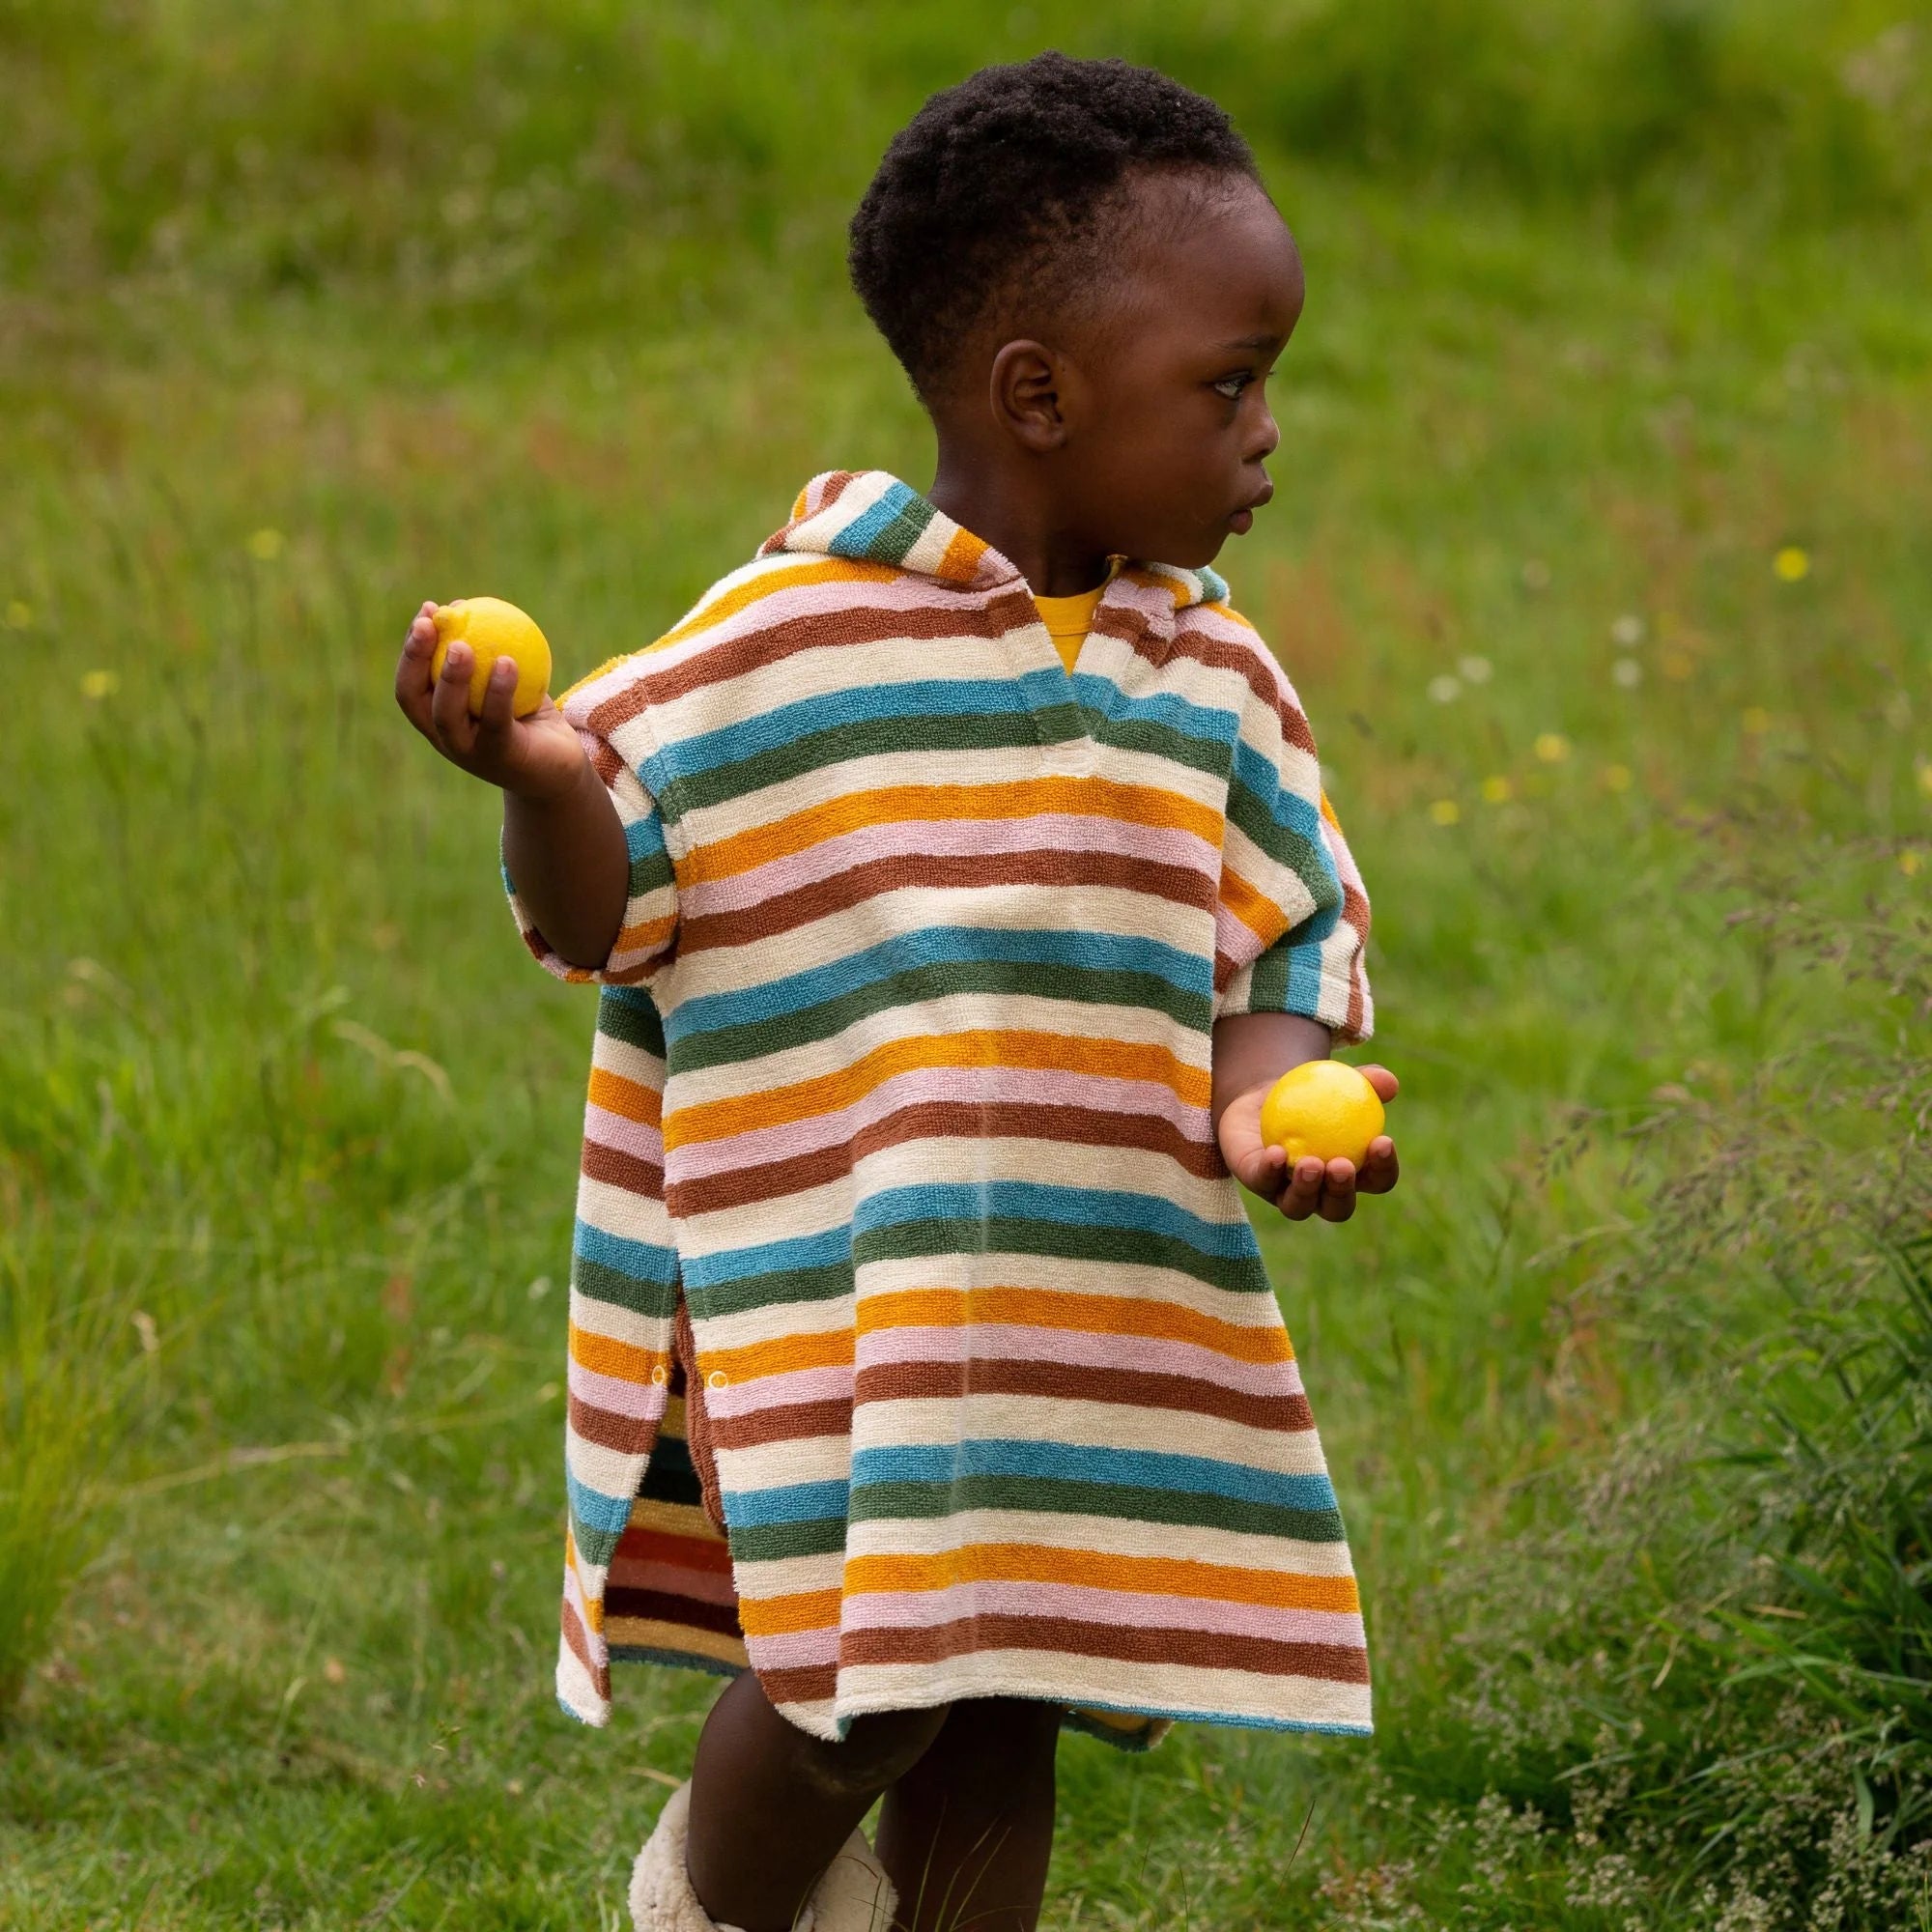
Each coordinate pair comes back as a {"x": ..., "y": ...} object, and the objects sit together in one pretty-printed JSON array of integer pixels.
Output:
[
  {"x": 1323, "y": 1107},
  {"x": 493, "y": 629}
]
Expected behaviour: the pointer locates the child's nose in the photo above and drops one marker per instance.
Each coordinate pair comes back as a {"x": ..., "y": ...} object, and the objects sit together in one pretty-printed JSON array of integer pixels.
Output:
[{"x": 1265, "y": 438}]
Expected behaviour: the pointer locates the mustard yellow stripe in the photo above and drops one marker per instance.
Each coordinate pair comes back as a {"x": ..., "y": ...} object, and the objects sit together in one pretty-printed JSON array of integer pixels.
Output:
[
  {"x": 684, "y": 1520},
  {"x": 1149, "y": 1575},
  {"x": 1087, "y": 798},
  {"x": 785, "y": 1616},
  {"x": 1049, "y": 1052},
  {"x": 963, "y": 552},
  {"x": 1086, "y": 1313},
  {"x": 781, "y": 1356},
  {"x": 1252, "y": 907},
  {"x": 623, "y": 1360},
  {"x": 617, "y": 1095},
  {"x": 687, "y": 1639}
]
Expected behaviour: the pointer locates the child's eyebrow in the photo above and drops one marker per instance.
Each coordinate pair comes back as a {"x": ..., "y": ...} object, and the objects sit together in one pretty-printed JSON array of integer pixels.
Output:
[{"x": 1259, "y": 344}]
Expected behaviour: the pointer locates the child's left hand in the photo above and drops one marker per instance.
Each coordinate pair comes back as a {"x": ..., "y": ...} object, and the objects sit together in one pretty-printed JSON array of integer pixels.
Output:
[{"x": 1311, "y": 1188}]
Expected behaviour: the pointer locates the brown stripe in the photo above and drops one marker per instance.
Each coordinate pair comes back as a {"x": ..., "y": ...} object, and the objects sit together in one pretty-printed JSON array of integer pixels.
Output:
[
  {"x": 670, "y": 1608},
  {"x": 1068, "y": 1382},
  {"x": 944, "y": 1119},
  {"x": 1248, "y": 661},
  {"x": 1121, "y": 1643},
  {"x": 1176, "y": 885},
  {"x": 627, "y": 1434},
  {"x": 795, "y": 1422},
  {"x": 810, "y": 1684},
  {"x": 955, "y": 616},
  {"x": 617, "y": 1169},
  {"x": 575, "y": 1635}
]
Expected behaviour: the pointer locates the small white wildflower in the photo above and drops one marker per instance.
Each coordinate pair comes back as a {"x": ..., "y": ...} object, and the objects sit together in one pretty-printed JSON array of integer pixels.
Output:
[
  {"x": 1445, "y": 689},
  {"x": 1474, "y": 669},
  {"x": 1627, "y": 674},
  {"x": 1628, "y": 630}
]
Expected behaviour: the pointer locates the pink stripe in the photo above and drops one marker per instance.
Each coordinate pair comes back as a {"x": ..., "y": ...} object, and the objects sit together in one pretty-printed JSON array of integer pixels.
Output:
[
  {"x": 793, "y": 1650},
  {"x": 1047, "y": 830},
  {"x": 1234, "y": 938},
  {"x": 973, "y": 1085},
  {"x": 1080, "y": 1348},
  {"x": 705, "y": 1586},
  {"x": 632, "y": 1137},
  {"x": 642, "y": 1402},
  {"x": 779, "y": 1391},
  {"x": 914, "y": 1610}
]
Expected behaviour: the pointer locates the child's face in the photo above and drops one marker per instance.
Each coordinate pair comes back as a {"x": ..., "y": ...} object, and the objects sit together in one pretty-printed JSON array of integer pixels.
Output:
[{"x": 1166, "y": 421}]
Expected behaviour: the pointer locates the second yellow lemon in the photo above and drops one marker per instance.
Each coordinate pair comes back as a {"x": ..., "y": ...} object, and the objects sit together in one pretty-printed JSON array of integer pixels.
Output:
[
  {"x": 493, "y": 629},
  {"x": 1323, "y": 1107}
]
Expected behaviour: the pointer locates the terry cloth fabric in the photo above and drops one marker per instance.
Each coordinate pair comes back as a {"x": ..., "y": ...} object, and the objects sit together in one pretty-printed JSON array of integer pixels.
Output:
[
  {"x": 1068, "y": 620},
  {"x": 901, "y": 1082}
]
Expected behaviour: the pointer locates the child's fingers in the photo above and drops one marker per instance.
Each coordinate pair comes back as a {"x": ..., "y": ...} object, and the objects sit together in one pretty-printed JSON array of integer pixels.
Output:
[
  {"x": 1385, "y": 1084},
  {"x": 449, "y": 704},
  {"x": 1338, "y": 1190},
  {"x": 1302, "y": 1195},
  {"x": 492, "y": 728},
  {"x": 1380, "y": 1169},
  {"x": 413, "y": 679}
]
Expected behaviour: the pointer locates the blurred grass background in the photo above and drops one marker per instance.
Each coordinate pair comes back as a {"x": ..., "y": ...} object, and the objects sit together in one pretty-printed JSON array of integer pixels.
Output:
[{"x": 1599, "y": 556}]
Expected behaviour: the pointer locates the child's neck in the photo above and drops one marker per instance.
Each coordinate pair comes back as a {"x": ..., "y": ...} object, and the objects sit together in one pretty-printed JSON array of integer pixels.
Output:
[{"x": 1010, "y": 509}]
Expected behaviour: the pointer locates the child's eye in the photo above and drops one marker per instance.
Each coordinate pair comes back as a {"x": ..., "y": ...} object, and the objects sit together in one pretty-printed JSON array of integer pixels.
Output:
[{"x": 1231, "y": 387}]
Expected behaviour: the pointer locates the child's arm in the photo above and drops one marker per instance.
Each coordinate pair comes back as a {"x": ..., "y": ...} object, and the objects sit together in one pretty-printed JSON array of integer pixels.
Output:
[
  {"x": 563, "y": 842},
  {"x": 1252, "y": 1051}
]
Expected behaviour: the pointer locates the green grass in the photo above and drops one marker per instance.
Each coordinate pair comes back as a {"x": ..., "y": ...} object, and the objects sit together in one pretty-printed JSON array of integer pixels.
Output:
[{"x": 275, "y": 1078}]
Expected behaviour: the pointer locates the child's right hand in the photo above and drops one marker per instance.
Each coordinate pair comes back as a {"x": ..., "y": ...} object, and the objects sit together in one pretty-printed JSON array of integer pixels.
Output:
[{"x": 535, "y": 757}]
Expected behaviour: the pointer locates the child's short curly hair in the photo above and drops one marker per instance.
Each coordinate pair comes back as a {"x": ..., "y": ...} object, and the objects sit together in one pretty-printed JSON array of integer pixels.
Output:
[{"x": 996, "y": 184}]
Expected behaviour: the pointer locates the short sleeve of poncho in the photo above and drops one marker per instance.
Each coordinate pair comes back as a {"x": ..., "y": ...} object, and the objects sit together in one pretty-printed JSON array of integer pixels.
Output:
[
  {"x": 1292, "y": 917},
  {"x": 649, "y": 928}
]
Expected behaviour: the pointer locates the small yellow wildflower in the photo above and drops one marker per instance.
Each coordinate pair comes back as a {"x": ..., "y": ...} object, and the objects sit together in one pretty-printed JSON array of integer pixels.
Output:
[
  {"x": 1925, "y": 776},
  {"x": 1553, "y": 746},
  {"x": 1756, "y": 719},
  {"x": 1909, "y": 864},
  {"x": 1792, "y": 564},
  {"x": 1499, "y": 790},
  {"x": 1445, "y": 812},
  {"x": 1677, "y": 666},
  {"x": 19, "y": 615},
  {"x": 100, "y": 683},
  {"x": 265, "y": 544},
  {"x": 1618, "y": 777}
]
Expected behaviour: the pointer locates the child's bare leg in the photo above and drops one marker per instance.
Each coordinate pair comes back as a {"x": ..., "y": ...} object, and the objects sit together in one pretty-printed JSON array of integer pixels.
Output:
[
  {"x": 771, "y": 1806},
  {"x": 966, "y": 1834}
]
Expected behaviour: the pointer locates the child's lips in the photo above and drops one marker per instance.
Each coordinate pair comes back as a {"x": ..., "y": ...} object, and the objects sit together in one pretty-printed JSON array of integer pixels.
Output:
[{"x": 1243, "y": 518}]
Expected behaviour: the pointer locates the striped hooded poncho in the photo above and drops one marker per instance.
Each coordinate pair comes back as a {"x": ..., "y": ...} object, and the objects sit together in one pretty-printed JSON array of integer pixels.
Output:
[{"x": 900, "y": 1087}]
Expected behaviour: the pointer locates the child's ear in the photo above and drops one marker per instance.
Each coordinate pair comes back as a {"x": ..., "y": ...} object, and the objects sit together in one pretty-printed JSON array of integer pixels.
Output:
[{"x": 1025, "y": 393}]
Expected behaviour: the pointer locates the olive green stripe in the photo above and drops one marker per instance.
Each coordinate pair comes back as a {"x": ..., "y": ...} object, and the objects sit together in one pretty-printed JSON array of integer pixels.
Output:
[
  {"x": 769, "y": 1542},
  {"x": 1062, "y": 1241},
  {"x": 778, "y": 1289},
  {"x": 601, "y": 1283},
  {"x": 1056, "y": 1496},
  {"x": 628, "y": 1015}
]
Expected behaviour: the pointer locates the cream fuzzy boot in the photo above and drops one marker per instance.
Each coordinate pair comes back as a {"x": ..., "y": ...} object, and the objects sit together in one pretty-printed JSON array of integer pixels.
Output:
[{"x": 855, "y": 1896}]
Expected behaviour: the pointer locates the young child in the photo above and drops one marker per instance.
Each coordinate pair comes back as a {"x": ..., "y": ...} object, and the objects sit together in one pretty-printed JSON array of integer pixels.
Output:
[{"x": 959, "y": 880}]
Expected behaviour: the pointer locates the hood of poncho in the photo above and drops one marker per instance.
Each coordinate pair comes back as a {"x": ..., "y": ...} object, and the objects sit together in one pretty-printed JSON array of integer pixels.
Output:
[{"x": 869, "y": 514}]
